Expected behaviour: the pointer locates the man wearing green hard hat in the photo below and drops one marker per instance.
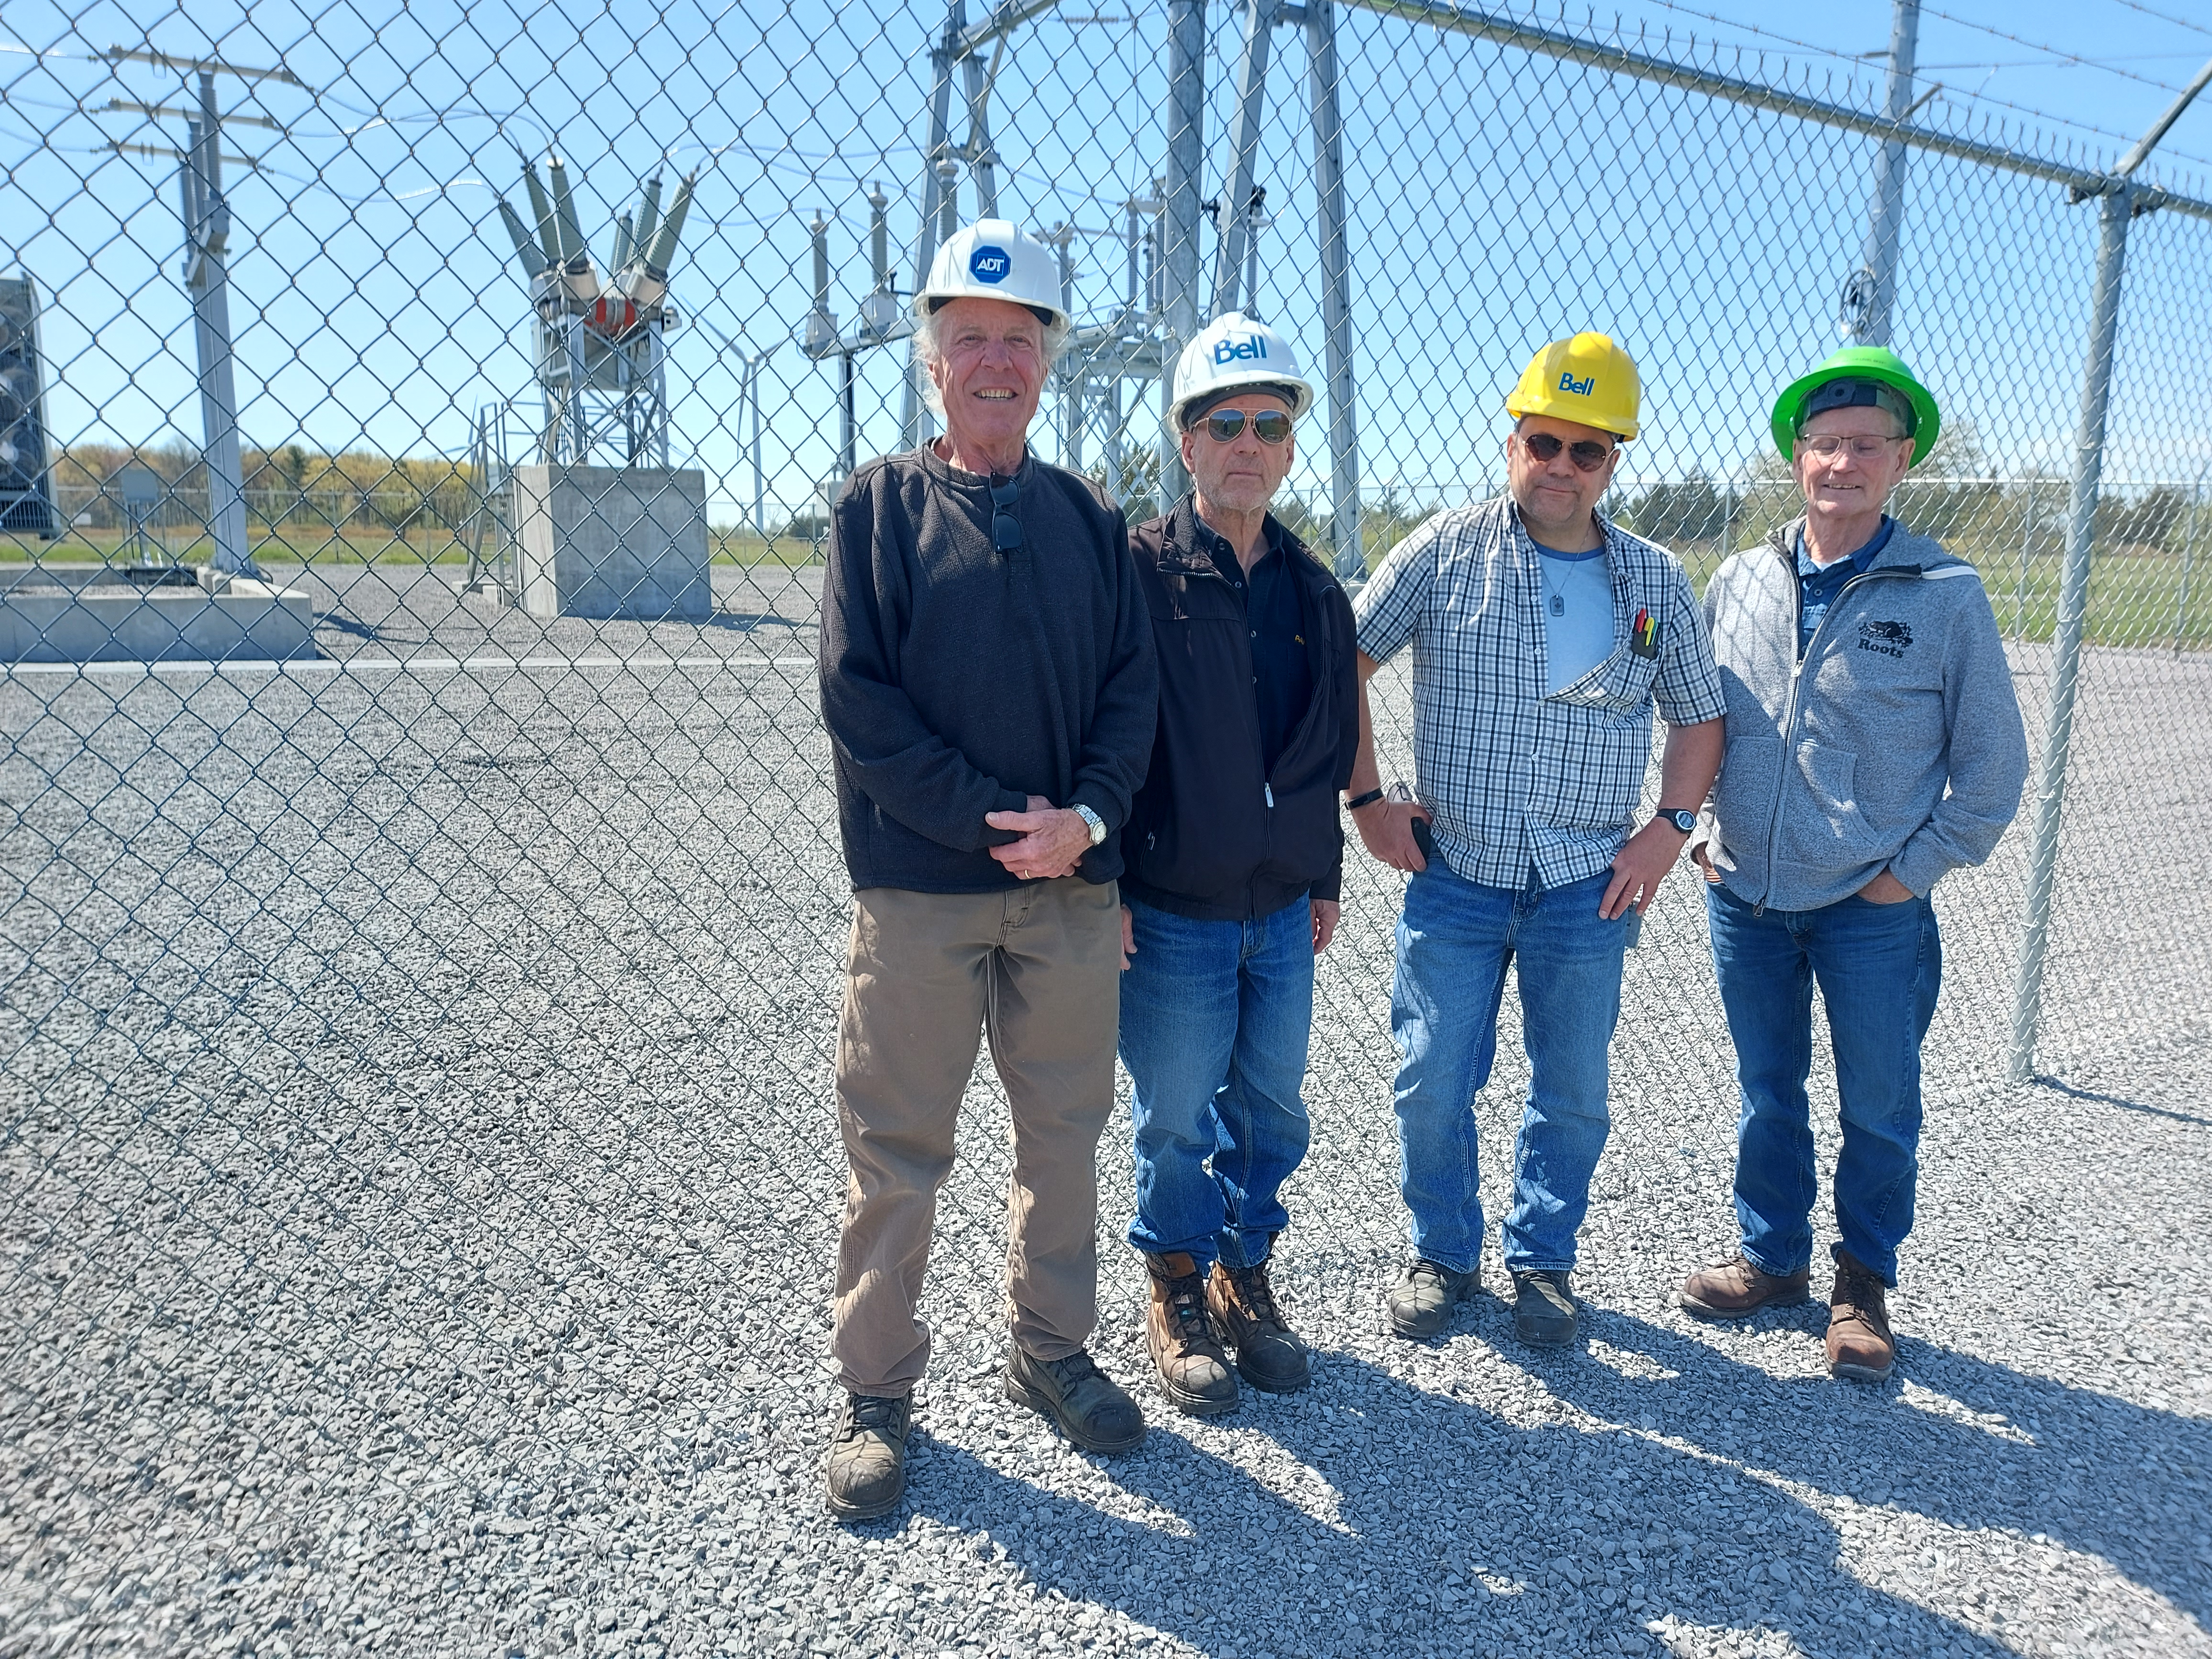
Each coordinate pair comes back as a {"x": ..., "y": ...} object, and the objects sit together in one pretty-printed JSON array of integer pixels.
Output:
[{"x": 1874, "y": 744}]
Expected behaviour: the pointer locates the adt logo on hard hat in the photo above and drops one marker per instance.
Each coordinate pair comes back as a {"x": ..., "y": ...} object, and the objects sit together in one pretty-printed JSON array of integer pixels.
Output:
[
  {"x": 990, "y": 264},
  {"x": 1581, "y": 388},
  {"x": 1252, "y": 348}
]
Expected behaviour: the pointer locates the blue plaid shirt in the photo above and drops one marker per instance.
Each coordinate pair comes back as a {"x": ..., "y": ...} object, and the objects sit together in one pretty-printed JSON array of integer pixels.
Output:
[{"x": 1516, "y": 778}]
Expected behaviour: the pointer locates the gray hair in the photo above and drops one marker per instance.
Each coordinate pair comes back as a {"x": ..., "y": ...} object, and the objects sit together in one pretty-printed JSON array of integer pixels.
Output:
[{"x": 929, "y": 350}]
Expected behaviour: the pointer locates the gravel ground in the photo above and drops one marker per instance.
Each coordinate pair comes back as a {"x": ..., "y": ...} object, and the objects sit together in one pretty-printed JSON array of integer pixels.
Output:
[{"x": 418, "y": 1188}]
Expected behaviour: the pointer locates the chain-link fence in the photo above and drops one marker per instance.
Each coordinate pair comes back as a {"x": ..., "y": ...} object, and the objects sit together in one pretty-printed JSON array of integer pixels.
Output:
[{"x": 420, "y": 978}]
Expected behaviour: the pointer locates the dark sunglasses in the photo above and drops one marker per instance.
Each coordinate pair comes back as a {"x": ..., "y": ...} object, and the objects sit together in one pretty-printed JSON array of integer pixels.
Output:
[
  {"x": 1005, "y": 528},
  {"x": 1587, "y": 453},
  {"x": 1269, "y": 426}
]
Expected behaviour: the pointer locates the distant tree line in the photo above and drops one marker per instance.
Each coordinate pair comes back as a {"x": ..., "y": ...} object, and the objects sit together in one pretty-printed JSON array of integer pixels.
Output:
[{"x": 355, "y": 490}]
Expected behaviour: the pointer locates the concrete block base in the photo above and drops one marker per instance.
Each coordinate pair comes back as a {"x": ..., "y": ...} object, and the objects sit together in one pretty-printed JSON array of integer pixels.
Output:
[
  {"x": 89, "y": 613},
  {"x": 613, "y": 542}
]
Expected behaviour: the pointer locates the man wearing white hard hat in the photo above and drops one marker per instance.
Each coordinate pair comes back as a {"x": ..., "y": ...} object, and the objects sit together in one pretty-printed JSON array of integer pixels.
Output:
[
  {"x": 1544, "y": 638},
  {"x": 988, "y": 685},
  {"x": 1234, "y": 850}
]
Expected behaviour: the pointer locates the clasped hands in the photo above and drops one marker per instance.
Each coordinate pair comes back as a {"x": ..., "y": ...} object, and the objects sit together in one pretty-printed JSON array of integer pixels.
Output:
[{"x": 1053, "y": 840}]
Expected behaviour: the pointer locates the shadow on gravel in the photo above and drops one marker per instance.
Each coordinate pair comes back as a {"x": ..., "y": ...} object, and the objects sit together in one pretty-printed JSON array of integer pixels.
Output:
[
  {"x": 745, "y": 622},
  {"x": 2123, "y": 1104},
  {"x": 2093, "y": 1473},
  {"x": 1427, "y": 1524}
]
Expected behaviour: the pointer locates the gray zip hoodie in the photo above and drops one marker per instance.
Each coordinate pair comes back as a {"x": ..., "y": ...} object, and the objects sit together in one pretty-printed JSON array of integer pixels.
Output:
[{"x": 1897, "y": 742}]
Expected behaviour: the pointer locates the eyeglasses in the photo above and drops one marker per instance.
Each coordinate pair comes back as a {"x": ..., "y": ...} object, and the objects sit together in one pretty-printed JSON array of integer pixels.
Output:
[
  {"x": 1005, "y": 528},
  {"x": 1828, "y": 446},
  {"x": 1587, "y": 453},
  {"x": 1269, "y": 426}
]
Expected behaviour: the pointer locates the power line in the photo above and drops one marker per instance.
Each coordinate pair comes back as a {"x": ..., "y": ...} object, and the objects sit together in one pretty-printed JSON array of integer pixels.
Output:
[{"x": 2055, "y": 52}]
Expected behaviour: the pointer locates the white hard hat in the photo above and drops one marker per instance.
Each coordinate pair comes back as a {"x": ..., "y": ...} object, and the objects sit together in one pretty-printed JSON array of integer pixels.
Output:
[
  {"x": 1235, "y": 350},
  {"x": 992, "y": 260}
]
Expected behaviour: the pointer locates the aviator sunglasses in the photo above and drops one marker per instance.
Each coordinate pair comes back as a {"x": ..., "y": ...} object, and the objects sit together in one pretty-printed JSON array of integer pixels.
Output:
[
  {"x": 1269, "y": 426},
  {"x": 1588, "y": 454}
]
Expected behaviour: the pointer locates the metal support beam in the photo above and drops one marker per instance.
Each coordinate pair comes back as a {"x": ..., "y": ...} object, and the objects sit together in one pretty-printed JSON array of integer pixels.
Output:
[
  {"x": 1347, "y": 558},
  {"x": 1616, "y": 59},
  {"x": 2114, "y": 212},
  {"x": 2118, "y": 202},
  {"x": 207, "y": 227},
  {"x": 1232, "y": 216},
  {"x": 1871, "y": 295},
  {"x": 1186, "y": 152},
  {"x": 914, "y": 424},
  {"x": 983, "y": 159}
]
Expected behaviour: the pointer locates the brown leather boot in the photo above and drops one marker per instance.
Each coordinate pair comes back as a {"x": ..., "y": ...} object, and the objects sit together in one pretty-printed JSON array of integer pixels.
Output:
[
  {"x": 1193, "y": 1369},
  {"x": 1269, "y": 1354},
  {"x": 1860, "y": 1346},
  {"x": 1737, "y": 1288}
]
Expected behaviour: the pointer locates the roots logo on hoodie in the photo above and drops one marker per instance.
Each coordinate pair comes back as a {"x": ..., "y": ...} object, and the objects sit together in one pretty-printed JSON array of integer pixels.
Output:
[{"x": 1890, "y": 638}]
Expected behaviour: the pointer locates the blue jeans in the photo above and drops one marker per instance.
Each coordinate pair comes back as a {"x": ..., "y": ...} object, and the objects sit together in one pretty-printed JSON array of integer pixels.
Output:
[
  {"x": 1879, "y": 967},
  {"x": 1215, "y": 1017},
  {"x": 1455, "y": 940}
]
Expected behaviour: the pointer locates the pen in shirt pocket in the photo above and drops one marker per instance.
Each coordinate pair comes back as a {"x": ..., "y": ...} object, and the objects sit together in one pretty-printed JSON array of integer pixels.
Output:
[{"x": 1643, "y": 638}]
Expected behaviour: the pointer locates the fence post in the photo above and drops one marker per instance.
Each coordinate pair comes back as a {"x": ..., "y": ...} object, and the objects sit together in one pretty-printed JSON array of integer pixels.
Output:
[
  {"x": 1186, "y": 135},
  {"x": 2027, "y": 541},
  {"x": 1348, "y": 556},
  {"x": 2115, "y": 207},
  {"x": 1871, "y": 295}
]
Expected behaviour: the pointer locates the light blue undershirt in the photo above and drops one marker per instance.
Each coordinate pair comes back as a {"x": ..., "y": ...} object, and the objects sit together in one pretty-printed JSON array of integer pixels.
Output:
[{"x": 1581, "y": 637}]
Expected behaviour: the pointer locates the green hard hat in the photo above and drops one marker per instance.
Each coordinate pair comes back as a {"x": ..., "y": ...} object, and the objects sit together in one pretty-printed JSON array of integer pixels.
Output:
[{"x": 1877, "y": 363}]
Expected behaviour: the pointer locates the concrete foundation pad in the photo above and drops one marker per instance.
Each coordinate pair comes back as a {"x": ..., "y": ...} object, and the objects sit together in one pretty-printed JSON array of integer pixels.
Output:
[
  {"x": 91, "y": 613},
  {"x": 613, "y": 542}
]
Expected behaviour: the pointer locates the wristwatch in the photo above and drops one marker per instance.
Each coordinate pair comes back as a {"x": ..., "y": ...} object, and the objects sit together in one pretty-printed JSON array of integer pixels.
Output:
[
  {"x": 1681, "y": 817},
  {"x": 1097, "y": 824}
]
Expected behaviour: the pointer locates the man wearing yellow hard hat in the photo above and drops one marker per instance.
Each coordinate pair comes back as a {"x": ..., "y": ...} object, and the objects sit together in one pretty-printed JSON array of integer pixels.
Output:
[
  {"x": 1875, "y": 744},
  {"x": 1545, "y": 635}
]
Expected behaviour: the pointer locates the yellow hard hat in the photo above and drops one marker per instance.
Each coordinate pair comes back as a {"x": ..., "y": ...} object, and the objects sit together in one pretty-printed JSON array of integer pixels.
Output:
[{"x": 1587, "y": 378}]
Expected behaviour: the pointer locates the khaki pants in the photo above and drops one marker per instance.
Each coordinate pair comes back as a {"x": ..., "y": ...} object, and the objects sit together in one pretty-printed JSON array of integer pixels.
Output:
[{"x": 1038, "y": 969}]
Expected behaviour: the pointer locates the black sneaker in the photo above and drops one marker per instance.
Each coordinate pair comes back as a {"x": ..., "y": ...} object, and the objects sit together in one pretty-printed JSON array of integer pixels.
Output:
[
  {"x": 868, "y": 1456},
  {"x": 1420, "y": 1303},
  {"x": 1090, "y": 1408},
  {"x": 1543, "y": 1309}
]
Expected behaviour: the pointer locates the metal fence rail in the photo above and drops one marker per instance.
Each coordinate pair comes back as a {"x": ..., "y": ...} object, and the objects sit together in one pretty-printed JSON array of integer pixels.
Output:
[{"x": 414, "y": 1039}]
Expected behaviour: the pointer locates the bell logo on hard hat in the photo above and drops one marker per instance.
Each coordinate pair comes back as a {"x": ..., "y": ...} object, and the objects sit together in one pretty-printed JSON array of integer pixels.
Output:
[
  {"x": 1235, "y": 351},
  {"x": 1563, "y": 379},
  {"x": 989, "y": 265}
]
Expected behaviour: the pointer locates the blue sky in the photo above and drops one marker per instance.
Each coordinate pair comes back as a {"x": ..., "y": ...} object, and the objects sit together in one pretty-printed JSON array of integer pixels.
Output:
[{"x": 1497, "y": 199}]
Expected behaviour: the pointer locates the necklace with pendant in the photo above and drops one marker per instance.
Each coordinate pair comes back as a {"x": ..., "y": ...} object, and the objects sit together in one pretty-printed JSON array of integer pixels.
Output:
[{"x": 1555, "y": 601}]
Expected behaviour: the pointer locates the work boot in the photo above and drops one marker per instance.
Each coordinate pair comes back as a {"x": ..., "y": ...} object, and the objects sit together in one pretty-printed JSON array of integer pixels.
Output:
[
  {"x": 1860, "y": 1346},
  {"x": 1269, "y": 1355},
  {"x": 1089, "y": 1406},
  {"x": 1194, "y": 1370},
  {"x": 1738, "y": 1287},
  {"x": 1543, "y": 1308},
  {"x": 1420, "y": 1303},
  {"x": 868, "y": 1456}
]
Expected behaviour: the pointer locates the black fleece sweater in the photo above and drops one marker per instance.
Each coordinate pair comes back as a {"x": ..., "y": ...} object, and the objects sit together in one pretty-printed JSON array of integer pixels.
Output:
[{"x": 957, "y": 680}]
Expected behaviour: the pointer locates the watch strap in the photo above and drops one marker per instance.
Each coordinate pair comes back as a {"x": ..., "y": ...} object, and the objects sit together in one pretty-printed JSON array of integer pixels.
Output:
[{"x": 1367, "y": 800}]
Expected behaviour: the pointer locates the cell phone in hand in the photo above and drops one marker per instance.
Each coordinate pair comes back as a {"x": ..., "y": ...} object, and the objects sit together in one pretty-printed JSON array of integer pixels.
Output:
[{"x": 1425, "y": 839}]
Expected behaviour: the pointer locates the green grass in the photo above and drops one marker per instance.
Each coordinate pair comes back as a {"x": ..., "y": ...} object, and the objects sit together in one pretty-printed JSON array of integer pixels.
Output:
[
  {"x": 288, "y": 545},
  {"x": 2134, "y": 592}
]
